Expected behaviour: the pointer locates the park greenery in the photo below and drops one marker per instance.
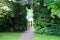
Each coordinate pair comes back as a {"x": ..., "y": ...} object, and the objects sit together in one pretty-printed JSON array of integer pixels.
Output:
[
  {"x": 46, "y": 16},
  {"x": 15, "y": 36}
]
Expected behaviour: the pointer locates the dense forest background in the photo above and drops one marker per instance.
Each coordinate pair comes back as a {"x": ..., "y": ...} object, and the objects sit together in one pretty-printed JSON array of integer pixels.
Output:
[{"x": 46, "y": 15}]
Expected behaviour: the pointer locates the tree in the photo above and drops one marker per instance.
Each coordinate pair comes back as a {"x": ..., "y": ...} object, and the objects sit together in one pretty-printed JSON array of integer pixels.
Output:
[
  {"x": 44, "y": 21},
  {"x": 12, "y": 16}
]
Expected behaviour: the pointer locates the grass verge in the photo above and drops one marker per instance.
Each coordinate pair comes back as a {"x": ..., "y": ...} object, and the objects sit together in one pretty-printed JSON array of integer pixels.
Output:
[
  {"x": 9, "y": 36},
  {"x": 45, "y": 37}
]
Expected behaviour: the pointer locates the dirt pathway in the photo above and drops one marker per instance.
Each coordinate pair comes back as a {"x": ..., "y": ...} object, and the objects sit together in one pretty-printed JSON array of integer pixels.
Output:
[{"x": 28, "y": 35}]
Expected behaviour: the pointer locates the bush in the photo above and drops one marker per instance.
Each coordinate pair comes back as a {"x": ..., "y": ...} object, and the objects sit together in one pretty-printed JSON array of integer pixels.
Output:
[{"x": 12, "y": 16}]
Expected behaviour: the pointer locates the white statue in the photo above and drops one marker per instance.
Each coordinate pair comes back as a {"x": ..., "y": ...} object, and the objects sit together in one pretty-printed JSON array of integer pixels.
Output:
[{"x": 29, "y": 17}]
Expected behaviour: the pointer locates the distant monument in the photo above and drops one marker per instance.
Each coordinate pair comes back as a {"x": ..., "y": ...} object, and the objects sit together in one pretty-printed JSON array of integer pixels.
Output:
[
  {"x": 28, "y": 4},
  {"x": 29, "y": 18}
]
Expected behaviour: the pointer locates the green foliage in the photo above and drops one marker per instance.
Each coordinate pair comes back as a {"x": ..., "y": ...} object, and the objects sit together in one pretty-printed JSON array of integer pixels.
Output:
[
  {"x": 47, "y": 17},
  {"x": 12, "y": 16},
  {"x": 54, "y": 4}
]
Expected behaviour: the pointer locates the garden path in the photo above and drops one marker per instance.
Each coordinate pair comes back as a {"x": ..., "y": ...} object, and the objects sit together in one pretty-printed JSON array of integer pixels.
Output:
[{"x": 27, "y": 35}]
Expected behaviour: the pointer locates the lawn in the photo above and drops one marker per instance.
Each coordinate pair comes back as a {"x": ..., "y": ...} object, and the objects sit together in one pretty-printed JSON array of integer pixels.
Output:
[
  {"x": 15, "y": 36},
  {"x": 9, "y": 36},
  {"x": 45, "y": 37}
]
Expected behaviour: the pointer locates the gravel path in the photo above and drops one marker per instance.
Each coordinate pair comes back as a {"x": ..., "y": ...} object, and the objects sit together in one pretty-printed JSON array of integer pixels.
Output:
[{"x": 28, "y": 35}]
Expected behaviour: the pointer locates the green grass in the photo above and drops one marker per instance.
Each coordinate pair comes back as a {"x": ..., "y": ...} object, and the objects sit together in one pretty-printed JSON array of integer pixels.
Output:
[
  {"x": 45, "y": 37},
  {"x": 9, "y": 36},
  {"x": 15, "y": 36}
]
